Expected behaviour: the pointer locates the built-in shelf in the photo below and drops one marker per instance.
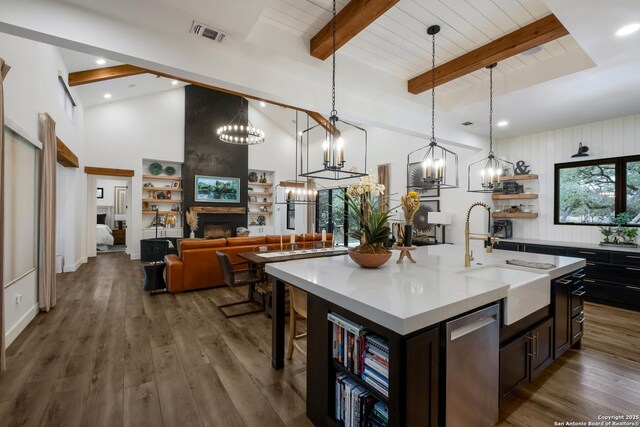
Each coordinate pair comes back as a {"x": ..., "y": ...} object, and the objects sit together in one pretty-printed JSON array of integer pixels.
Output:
[
  {"x": 260, "y": 184},
  {"x": 519, "y": 177},
  {"x": 161, "y": 189},
  {"x": 259, "y": 213},
  {"x": 162, "y": 201},
  {"x": 161, "y": 212},
  {"x": 360, "y": 381},
  {"x": 259, "y": 193},
  {"x": 513, "y": 196},
  {"x": 260, "y": 203},
  {"x": 515, "y": 215},
  {"x": 167, "y": 177}
]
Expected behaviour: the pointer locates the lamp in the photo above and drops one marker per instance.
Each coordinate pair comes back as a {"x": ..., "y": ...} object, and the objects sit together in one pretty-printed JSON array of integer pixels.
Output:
[
  {"x": 486, "y": 173},
  {"x": 334, "y": 165},
  {"x": 439, "y": 219},
  {"x": 432, "y": 166},
  {"x": 240, "y": 131}
]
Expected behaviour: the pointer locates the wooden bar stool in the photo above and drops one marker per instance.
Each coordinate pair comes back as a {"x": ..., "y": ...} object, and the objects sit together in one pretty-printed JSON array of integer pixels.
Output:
[{"x": 297, "y": 307}]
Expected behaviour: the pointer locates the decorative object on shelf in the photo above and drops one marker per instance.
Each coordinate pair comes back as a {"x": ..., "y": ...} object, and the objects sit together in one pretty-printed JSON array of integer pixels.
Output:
[
  {"x": 263, "y": 179},
  {"x": 484, "y": 175},
  {"x": 192, "y": 221},
  {"x": 217, "y": 189},
  {"x": 439, "y": 165},
  {"x": 161, "y": 195},
  {"x": 242, "y": 232},
  {"x": 582, "y": 151},
  {"x": 169, "y": 171},
  {"x": 154, "y": 207},
  {"x": 240, "y": 131},
  {"x": 253, "y": 199},
  {"x": 158, "y": 221},
  {"x": 253, "y": 177},
  {"x": 374, "y": 232},
  {"x": 155, "y": 168},
  {"x": 147, "y": 185},
  {"x": 410, "y": 204},
  {"x": 521, "y": 168},
  {"x": 145, "y": 206},
  {"x": 333, "y": 148},
  {"x": 512, "y": 187},
  {"x": 262, "y": 220},
  {"x": 100, "y": 193},
  {"x": 170, "y": 220},
  {"x": 264, "y": 200},
  {"x": 175, "y": 184}
]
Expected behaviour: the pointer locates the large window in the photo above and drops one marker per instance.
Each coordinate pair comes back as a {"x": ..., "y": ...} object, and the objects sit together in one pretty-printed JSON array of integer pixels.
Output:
[
  {"x": 333, "y": 215},
  {"x": 593, "y": 192}
]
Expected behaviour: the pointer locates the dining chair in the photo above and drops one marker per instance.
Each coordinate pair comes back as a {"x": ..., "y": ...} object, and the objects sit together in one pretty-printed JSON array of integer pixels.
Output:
[
  {"x": 235, "y": 278},
  {"x": 297, "y": 307}
]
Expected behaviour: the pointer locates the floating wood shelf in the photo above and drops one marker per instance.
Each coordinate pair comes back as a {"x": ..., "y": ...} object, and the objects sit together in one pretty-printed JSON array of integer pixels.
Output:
[
  {"x": 170, "y": 178},
  {"x": 259, "y": 213},
  {"x": 259, "y": 184},
  {"x": 162, "y": 201},
  {"x": 160, "y": 189},
  {"x": 258, "y": 193},
  {"x": 515, "y": 215},
  {"x": 513, "y": 196},
  {"x": 260, "y": 203},
  {"x": 519, "y": 177},
  {"x": 219, "y": 210},
  {"x": 161, "y": 212}
]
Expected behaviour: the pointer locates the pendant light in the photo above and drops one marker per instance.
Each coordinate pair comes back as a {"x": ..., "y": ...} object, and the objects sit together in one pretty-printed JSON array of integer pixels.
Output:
[
  {"x": 334, "y": 145},
  {"x": 240, "y": 131},
  {"x": 484, "y": 175},
  {"x": 432, "y": 166},
  {"x": 295, "y": 191}
]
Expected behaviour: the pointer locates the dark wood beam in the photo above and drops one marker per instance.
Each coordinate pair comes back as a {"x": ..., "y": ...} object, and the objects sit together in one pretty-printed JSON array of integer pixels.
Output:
[
  {"x": 323, "y": 122},
  {"x": 101, "y": 74},
  {"x": 353, "y": 18},
  {"x": 91, "y": 170},
  {"x": 65, "y": 156},
  {"x": 535, "y": 34}
]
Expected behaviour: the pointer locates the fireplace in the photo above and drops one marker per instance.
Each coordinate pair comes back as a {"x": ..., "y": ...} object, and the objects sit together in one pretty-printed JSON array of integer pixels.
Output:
[{"x": 216, "y": 230}]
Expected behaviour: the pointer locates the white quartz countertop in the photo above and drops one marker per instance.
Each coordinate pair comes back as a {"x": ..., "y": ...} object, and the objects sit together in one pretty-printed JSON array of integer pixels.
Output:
[
  {"x": 408, "y": 297},
  {"x": 620, "y": 248}
]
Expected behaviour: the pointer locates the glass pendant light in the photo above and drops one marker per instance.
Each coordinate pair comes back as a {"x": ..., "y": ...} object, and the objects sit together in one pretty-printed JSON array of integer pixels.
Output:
[
  {"x": 432, "y": 166},
  {"x": 295, "y": 191},
  {"x": 240, "y": 131},
  {"x": 484, "y": 175},
  {"x": 330, "y": 132}
]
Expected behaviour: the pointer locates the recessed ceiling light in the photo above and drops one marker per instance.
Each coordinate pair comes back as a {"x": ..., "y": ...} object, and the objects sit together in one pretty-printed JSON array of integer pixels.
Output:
[
  {"x": 532, "y": 51},
  {"x": 132, "y": 85},
  {"x": 263, "y": 104},
  {"x": 300, "y": 133},
  {"x": 107, "y": 96},
  {"x": 100, "y": 61},
  {"x": 628, "y": 29},
  {"x": 174, "y": 82},
  {"x": 502, "y": 123}
]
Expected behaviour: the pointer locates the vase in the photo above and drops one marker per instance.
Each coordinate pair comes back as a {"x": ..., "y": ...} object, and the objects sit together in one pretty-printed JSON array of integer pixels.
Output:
[
  {"x": 369, "y": 260},
  {"x": 408, "y": 235},
  {"x": 192, "y": 235}
]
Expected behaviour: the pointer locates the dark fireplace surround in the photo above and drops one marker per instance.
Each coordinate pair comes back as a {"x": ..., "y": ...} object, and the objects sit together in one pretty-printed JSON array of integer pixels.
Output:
[
  {"x": 217, "y": 230},
  {"x": 205, "y": 154}
]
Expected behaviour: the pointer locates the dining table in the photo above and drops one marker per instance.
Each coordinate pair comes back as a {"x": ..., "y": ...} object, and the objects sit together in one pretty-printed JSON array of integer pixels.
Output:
[{"x": 259, "y": 260}]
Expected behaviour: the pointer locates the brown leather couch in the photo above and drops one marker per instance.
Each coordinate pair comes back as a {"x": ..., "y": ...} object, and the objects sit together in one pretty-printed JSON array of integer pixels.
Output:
[{"x": 196, "y": 266}]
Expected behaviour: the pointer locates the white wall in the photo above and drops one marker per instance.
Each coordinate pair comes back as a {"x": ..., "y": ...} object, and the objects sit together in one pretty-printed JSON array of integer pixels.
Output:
[
  {"x": 609, "y": 138},
  {"x": 31, "y": 87},
  {"x": 109, "y": 184},
  {"x": 120, "y": 134}
]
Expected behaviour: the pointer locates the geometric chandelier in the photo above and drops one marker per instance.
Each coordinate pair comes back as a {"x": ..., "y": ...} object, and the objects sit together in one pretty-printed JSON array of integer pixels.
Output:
[
  {"x": 432, "y": 166},
  {"x": 484, "y": 175},
  {"x": 240, "y": 131}
]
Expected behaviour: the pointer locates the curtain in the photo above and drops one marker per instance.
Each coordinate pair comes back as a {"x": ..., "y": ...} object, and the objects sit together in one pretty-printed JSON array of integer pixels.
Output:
[
  {"x": 4, "y": 69},
  {"x": 384, "y": 179},
  {"x": 311, "y": 207},
  {"x": 47, "y": 243}
]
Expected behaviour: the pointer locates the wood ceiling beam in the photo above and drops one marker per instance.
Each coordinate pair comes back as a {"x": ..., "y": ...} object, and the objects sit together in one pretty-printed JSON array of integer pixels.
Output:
[
  {"x": 92, "y": 170},
  {"x": 353, "y": 18},
  {"x": 535, "y": 34},
  {"x": 65, "y": 156},
  {"x": 101, "y": 74}
]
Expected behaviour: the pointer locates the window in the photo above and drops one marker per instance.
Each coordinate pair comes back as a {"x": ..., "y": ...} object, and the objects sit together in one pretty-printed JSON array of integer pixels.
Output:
[
  {"x": 291, "y": 212},
  {"x": 593, "y": 192},
  {"x": 333, "y": 215},
  {"x": 64, "y": 98}
]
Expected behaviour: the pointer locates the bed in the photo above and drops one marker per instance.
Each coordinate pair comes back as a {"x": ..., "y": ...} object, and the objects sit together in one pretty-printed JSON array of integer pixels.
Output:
[{"x": 104, "y": 234}]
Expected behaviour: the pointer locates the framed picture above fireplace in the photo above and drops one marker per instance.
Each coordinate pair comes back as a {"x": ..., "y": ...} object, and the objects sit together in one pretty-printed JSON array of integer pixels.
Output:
[{"x": 217, "y": 189}]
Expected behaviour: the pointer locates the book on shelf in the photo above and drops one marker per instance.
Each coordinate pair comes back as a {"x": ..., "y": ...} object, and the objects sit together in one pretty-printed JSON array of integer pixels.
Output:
[
  {"x": 379, "y": 415},
  {"x": 383, "y": 390},
  {"x": 354, "y": 404},
  {"x": 347, "y": 342}
]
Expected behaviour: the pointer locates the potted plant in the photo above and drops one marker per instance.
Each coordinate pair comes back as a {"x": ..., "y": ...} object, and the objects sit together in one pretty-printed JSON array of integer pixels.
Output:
[
  {"x": 607, "y": 232},
  {"x": 630, "y": 235},
  {"x": 192, "y": 220},
  {"x": 374, "y": 229}
]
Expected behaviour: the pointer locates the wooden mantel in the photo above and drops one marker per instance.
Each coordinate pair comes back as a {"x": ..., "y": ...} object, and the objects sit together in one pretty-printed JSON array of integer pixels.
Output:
[{"x": 219, "y": 210}]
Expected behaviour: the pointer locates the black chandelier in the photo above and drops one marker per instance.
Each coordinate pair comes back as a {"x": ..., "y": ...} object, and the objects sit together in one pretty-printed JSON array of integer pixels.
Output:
[
  {"x": 334, "y": 164},
  {"x": 484, "y": 175},
  {"x": 240, "y": 131},
  {"x": 432, "y": 166}
]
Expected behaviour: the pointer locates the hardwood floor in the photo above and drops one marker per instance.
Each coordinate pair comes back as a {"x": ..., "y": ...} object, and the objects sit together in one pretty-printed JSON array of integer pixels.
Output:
[{"x": 110, "y": 355}]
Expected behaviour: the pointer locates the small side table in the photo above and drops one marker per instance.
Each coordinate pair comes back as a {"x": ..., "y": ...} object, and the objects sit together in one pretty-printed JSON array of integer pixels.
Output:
[
  {"x": 153, "y": 276},
  {"x": 405, "y": 252}
]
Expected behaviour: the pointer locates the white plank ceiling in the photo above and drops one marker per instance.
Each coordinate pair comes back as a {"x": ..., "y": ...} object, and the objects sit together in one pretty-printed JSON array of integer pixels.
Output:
[{"x": 397, "y": 42}]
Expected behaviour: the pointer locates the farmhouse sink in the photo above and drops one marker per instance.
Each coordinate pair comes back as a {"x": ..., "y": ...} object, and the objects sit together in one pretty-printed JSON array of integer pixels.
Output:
[{"x": 528, "y": 292}]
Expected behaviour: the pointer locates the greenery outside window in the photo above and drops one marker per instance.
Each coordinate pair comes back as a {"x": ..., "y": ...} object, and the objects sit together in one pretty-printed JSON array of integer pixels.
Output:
[{"x": 593, "y": 192}]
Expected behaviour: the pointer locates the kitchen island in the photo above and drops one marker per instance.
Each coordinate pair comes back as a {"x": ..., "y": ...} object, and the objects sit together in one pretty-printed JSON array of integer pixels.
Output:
[{"x": 413, "y": 308}]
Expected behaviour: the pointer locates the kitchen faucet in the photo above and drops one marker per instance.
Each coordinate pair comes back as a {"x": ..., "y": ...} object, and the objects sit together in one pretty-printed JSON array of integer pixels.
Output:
[{"x": 488, "y": 239}]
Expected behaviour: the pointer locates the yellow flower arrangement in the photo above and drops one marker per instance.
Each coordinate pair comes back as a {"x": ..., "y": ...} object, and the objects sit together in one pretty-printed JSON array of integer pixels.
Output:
[{"x": 410, "y": 204}]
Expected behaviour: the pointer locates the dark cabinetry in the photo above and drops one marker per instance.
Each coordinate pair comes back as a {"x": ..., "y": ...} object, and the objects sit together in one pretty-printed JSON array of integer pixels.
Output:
[
  {"x": 525, "y": 357},
  {"x": 567, "y": 294}
]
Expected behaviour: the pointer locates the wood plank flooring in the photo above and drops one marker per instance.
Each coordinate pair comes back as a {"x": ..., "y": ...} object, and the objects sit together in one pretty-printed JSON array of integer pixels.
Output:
[{"x": 110, "y": 355}]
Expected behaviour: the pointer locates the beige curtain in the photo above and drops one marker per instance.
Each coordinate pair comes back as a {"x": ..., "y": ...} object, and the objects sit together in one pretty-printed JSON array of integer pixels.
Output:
[
  {"x": 384, "y": 179},
  {"x": 47, "y": 244},
  {"x": 311, "y": 207},
  {"x": 4, "y": 69}
]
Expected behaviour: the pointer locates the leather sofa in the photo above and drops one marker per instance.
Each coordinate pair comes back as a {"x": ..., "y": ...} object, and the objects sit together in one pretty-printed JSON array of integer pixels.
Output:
[{"x": 196, "y": 266}]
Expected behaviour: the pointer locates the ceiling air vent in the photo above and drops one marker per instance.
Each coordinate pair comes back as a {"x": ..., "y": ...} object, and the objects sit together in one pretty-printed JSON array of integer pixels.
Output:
[
  {"x": 466, "y": 123},
  {"x": 207, "y": 32}
]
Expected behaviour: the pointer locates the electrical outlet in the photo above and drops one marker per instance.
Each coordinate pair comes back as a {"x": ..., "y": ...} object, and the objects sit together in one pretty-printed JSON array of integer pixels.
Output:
[{"x": 18, "y": 299}]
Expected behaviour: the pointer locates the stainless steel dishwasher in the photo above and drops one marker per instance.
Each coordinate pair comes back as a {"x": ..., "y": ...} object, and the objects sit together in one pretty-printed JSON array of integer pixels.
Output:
[{"x": 473, "y": 369}]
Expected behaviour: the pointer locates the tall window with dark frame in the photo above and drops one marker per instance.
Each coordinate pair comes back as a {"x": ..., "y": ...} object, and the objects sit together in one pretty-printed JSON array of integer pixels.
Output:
[
  {"x": 333, "y": 215},
  {"x": 593, "y": 192}
]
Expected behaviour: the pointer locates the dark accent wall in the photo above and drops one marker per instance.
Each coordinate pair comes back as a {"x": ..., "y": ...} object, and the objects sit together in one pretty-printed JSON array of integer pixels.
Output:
[{"x": 205, "y": 154}]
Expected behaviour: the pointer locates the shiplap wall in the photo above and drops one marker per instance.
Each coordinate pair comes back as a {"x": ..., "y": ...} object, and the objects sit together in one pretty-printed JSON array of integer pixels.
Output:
[{"x": 608, "y": 138}]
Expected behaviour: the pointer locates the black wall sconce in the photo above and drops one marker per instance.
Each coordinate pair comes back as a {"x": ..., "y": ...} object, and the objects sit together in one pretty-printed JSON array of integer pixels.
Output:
[{"x": 582, "y": 151}]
